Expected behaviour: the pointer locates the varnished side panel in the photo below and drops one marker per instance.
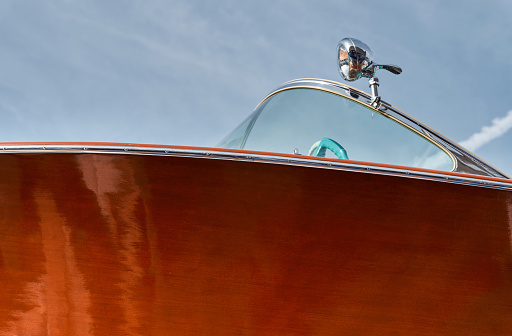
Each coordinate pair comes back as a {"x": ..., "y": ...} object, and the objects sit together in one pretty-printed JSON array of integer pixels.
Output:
[{"x": 94, "y": 244}]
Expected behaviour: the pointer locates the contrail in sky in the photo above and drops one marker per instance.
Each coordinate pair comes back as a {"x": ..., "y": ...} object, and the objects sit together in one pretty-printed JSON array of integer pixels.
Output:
[{"x": 499, "y": 127}]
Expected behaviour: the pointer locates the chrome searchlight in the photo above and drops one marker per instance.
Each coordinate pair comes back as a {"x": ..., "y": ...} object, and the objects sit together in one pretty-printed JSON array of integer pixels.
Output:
[
  {"x": 354, "y": 57},
  {"x": 355, "y": 60}
]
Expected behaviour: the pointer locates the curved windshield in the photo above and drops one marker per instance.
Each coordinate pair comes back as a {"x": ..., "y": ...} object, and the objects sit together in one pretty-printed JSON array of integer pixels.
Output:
[{"x": 319, "y": 123}]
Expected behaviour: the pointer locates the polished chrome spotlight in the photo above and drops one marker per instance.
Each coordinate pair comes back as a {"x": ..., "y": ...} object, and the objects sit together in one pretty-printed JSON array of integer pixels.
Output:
[
  {"x": 354, "y": 57},
  {"x": 355, "y": 60}
]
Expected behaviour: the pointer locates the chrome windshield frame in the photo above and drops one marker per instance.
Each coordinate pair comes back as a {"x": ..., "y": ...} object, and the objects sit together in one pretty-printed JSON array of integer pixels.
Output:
[{"x": 464, "y": 160}]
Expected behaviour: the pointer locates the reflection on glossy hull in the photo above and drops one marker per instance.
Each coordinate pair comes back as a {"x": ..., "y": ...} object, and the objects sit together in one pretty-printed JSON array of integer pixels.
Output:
[{"x": 96, "y": 244}]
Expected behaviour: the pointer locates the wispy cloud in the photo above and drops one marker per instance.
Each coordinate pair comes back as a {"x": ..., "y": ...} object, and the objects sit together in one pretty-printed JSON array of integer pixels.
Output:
[{"x": 488, "y": 133}]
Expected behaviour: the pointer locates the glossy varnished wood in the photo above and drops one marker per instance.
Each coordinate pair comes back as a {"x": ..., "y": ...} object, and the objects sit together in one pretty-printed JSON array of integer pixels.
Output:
[{"x": 97, "y": 244}]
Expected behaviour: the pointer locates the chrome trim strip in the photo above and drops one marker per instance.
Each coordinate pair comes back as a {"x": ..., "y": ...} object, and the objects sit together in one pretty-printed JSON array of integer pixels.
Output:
[{"x": 259, "y": 158}]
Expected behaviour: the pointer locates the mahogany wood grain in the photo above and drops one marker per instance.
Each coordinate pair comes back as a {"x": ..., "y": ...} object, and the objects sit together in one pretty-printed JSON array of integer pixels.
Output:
[{"x": 97, "y": 244}]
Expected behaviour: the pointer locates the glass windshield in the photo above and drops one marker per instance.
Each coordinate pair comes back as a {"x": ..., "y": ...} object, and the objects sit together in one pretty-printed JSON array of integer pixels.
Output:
[{"x": 319, "y": 123}]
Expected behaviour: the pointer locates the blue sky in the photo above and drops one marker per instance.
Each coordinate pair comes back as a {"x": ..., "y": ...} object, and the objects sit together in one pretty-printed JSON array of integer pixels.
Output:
[{"x": 187, "y": 72}]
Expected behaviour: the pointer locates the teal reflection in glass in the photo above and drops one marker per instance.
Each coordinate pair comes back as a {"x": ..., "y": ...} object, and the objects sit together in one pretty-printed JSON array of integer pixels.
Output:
[{"x": 297, "y": 119}]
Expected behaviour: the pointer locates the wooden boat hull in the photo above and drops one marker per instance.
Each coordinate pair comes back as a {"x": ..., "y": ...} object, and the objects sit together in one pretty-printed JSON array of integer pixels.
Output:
[{"x": 96, "y": 244}]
